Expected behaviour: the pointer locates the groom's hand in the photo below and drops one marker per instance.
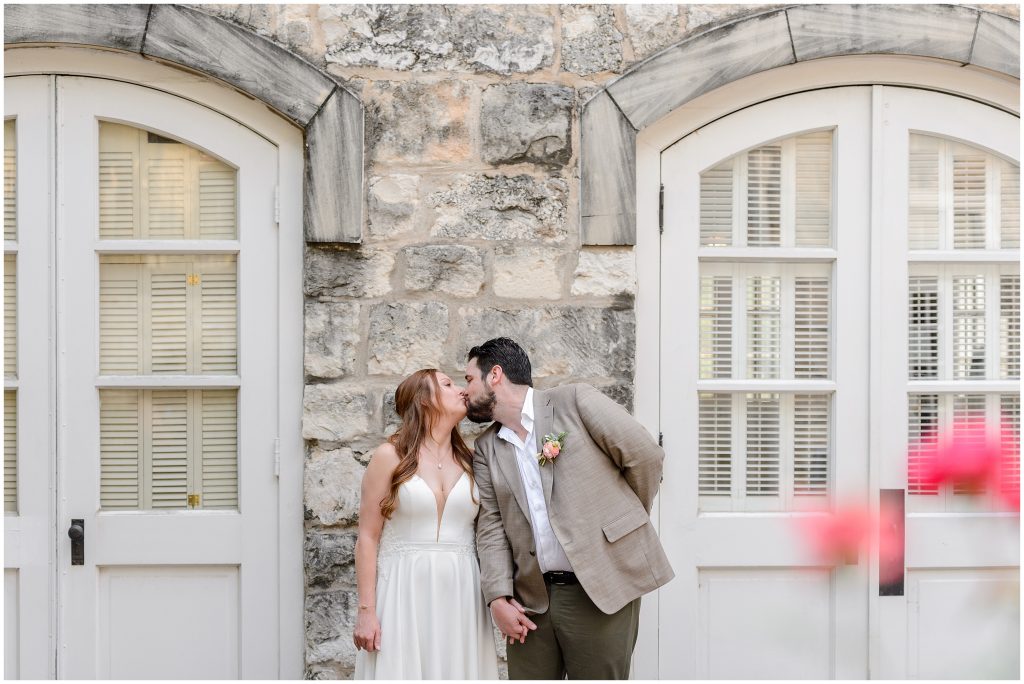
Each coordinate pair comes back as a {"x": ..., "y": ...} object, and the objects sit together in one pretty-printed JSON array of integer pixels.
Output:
[{"x": 510, "y": 617}]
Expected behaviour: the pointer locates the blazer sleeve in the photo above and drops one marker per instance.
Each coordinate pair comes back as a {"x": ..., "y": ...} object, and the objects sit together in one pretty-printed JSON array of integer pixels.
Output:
[
  {"x": 492, "y": 545},
  {"x": 624, "y": 440}
]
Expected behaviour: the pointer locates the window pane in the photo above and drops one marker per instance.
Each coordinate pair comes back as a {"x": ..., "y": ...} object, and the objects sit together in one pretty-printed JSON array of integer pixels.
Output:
[
  {"x": 1009, "y": 210},
  {"x": 10, "y": 316},
  {"x": 715, "y": 326},
  {"x": 814, "y": 189},
  {"x": 764, "y": 196},
  {"x": 811, "y": 444},
  {"x": 969, "y": 326},
  {"x": 10, "y": 181},
  {"x": 1009, "y": 327},
  {"x": 763, "y": 444},
  {"x": 715, "y": 444},
  {"x": 150, "y": 307},
  {"x": 764, "y": 330},
  {"x": 10, "y": 451},
  {"x": 155, "y": 188},
  {"x": 923, "y": 333},
  {"x": 811, "y": 327},
  {"x": 168, "y": 449}
]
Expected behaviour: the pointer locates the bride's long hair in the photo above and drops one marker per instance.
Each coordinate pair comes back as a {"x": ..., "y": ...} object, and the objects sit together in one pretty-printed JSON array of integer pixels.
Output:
[{"x": 417, "y": 403}]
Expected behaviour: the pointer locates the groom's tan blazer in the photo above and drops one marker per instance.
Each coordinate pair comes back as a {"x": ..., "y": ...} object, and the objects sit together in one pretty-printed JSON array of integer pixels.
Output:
[{"x": 598, "y": 491}]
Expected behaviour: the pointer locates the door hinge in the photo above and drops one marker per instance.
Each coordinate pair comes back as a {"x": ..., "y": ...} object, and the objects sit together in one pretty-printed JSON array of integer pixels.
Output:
[
  {"x": 661, "y": 439},
  {"x": 277, "y": 204},
  {"x": 277, "y": 458},
  {"x": 661, "y": 209}
]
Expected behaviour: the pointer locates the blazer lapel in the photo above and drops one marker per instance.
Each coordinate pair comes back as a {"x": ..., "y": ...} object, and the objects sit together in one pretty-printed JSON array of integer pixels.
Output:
[
  {"x": 543, "y": 420},
  {"x": 505, "y": 455}
]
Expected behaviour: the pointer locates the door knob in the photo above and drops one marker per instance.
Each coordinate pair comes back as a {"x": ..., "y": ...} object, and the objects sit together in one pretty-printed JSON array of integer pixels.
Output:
[{"x": 77, "y": 534}]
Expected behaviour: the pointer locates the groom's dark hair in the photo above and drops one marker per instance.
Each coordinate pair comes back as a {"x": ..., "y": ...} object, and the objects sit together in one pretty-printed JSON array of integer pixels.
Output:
[{"x": 501, "y": 351}]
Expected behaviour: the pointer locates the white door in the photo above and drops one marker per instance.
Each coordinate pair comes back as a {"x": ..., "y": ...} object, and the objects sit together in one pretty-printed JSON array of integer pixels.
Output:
[
  {"x": 165, "y": 300},
  {"x": 780, "y": 311}
]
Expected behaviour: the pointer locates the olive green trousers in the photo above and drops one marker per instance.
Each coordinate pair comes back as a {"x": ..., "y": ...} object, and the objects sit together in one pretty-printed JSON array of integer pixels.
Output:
[{"x": 575, "y": 639}]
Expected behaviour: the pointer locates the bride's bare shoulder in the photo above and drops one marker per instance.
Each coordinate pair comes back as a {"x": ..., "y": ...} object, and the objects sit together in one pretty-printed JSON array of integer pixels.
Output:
[{"x": 384, "y": 456}]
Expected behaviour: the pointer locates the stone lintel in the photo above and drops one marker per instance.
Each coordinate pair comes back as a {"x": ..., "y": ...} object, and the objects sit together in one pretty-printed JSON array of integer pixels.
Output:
[
  {"x": 997, "y": 46},
  {"x": 333, "y": 187},
  {"x": 118, "y": 27},
  {"x": 607, "y": 175}
]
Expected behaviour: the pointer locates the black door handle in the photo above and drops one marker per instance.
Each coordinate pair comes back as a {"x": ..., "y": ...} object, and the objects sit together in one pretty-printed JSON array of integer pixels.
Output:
[{"x": 77, "y": 534}]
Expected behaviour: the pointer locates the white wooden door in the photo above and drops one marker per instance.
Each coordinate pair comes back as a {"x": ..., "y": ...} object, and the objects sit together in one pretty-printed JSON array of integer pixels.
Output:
[
  {"x": 164, "y": 295},
  {"x": 29, "y": 428},
  {"x": 782, "y": 305},
  {"x": 947, "y": 353}
]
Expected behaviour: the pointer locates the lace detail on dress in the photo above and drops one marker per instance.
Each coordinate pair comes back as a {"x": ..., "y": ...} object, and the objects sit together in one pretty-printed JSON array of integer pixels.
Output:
[{"x": 398, "y": 547}]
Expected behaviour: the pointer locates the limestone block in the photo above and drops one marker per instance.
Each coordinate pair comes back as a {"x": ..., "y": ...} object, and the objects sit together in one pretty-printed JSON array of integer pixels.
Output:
[
  {"x": 347, "y": 272},
  {"x": 332, "y": 480},
  {"x": 332, "y": 338},
  {"x": 418, "y": 122},
  {"x": 527, "y": 272},
  {"x": 453, "y": 269},
  {"x": 572, "y": 342},
  {"x": 524, "y": 122},
  {"x": 494, "y": 207},
  {"x": 605, "y": 272},
  {"x": 330, "y": 559},
  {"x": 506, "y": 40},
  {"x": 406, "y": 336},
  {"x": 330, "y": 620},
  {"x": 652, "y": 27},
  {"x": 591, "y": 42},
  {"x": 704, "y": 15},
  {"x": 334, "y": 412},
  {"x": 392, "y": 204}
]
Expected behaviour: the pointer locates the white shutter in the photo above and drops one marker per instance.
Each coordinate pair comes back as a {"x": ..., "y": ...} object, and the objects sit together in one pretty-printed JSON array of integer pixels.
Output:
[
  {"x": 1009, "y": 206},
  {"x": 219, "y": 448},
  {"x": 764, "y": 196},
  {"x": 811, "y": 444},
  {"x": 10, "y": 181},
  {"x": 10, "y": 451},
  {"x": 121, "y": 442},
  {"x": 715, "y": 444},
  {"x": 763, "y": 326},
  {"x": 924, "y": 219},
  {"x": 716, "y": 206},
  {"x": 716, "y": 326},
  {"x": 923, "y": 327},
  {"x": 168, "y": 318},
  {"x": 218, "y": 318},
  {"x": 168, "y": 448},
  {"x": 814, "y": 189},
  {"x": 968, "y": 326},
  {"x": 165, "y": 192},
  {"x": 119, "y": 173},
  {"x": 10, "y": 316},
  {"x": 216, "y": 199},
  {"x": 969, "y": 217},
  {"x": 120, "y": 319},
  {"x": 1009, "y": 406},
  {"x": 969, "y": 427},
  {"x": 922, "y": 438},
  {"x": 763, "y": 445},
  {"x": 1009, "y": 327},
  {"x": 811, "y": 330}
]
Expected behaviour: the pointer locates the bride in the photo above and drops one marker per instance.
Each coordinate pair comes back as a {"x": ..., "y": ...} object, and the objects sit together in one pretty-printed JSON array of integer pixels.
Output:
[{"x": 421, "y": 611}]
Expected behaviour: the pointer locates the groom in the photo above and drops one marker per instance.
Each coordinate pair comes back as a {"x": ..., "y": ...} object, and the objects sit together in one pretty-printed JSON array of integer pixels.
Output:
[{"x": 566, "y": 480}]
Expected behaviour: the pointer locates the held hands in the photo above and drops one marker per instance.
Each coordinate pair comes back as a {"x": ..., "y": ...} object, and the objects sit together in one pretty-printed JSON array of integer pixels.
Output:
[
  {"x": 510, "y": 617},
  {"x": 367, "y": 632}
]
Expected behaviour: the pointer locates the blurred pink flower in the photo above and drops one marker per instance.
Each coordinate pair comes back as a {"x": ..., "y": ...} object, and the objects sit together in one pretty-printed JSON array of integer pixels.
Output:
[{"x": 838, "y": 536}]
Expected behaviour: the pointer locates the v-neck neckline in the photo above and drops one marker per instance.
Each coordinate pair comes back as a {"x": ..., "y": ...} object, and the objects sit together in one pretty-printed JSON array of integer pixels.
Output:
[{"x": 444, "y": 504}]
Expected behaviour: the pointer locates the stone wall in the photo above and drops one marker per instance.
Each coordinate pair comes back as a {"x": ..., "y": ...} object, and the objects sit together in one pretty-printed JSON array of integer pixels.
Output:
[{"x": 472, "y": 137}]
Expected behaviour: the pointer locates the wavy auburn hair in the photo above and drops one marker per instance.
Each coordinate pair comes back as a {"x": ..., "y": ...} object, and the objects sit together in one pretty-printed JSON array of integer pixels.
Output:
[{"x": 417, "y": 402}]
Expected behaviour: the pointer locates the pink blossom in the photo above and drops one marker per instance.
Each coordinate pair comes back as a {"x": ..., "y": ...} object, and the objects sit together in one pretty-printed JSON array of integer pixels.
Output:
[{"x": 551, "y": 450}]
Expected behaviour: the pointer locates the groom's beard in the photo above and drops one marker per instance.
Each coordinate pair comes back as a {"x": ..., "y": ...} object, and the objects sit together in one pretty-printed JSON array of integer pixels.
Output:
[{"x": 482, "y": 411}]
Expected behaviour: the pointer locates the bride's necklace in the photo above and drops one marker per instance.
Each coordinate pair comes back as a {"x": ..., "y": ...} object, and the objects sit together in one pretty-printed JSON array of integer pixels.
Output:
[{"x": 437, "y": 459}]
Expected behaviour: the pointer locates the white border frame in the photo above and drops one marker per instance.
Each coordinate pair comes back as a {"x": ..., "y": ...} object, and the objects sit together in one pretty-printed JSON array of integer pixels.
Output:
[
  {"x": 966, "y": 81},
  {"x": 289, "y": 140}
]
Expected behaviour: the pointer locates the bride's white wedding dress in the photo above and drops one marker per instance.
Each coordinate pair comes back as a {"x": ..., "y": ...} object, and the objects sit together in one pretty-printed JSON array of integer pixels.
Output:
[{"x": 433, "y": 621}]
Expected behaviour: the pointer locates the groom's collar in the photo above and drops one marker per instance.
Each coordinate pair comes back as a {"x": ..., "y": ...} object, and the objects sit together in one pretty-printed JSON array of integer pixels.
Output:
[{"x": 526, "y": 418}]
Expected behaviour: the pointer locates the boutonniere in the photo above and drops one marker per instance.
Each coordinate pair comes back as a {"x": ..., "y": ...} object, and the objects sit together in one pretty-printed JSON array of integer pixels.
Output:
[{"x": 552, "y": 447}]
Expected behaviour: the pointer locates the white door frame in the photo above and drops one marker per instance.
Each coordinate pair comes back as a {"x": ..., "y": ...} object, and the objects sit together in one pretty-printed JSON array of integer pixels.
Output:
[
  {"x": 289, "y": 141},
  {"x": 971, "y": 82}
]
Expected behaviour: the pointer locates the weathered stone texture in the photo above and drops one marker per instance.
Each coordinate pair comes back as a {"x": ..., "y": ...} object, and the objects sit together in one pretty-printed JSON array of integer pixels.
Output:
[
  {"x": 452, "y": 269},
  {"x": 487, "y": 207},
  {"x": 652, "y": 27},
  {"x": 418, "y": 122},
  {"x": 591, "y": 41},
  {"x": 698, "y": 16},
  {"x": 523, "y": 122},
  {"x": 605, "y": 272},
  {"x": 406, "y": 336},
  {"x": 347, "y": 272},
  {"x": 503, "y": 40},
  {"x": 527, "y": 272},
  {"x": 392, "y": 204},
  {"x": 330, "y": 620},
  {"x": 332, "y": 338},
  {"x": 570, "y": 342},
  {"x": 330, "y": 559},
  {"x": 334, "y": 413},
  {"x": 331, "y": 486}
]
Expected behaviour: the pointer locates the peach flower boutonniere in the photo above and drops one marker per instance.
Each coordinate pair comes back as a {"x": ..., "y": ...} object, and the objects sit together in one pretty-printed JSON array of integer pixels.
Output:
[{"x": 553, "y": 445}]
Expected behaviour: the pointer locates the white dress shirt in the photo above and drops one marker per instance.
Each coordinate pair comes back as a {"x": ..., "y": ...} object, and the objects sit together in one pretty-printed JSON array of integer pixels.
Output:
[{"x": 550, "y": 555}]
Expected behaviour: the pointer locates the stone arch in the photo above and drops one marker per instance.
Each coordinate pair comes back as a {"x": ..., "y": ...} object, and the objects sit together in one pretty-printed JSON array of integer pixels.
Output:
[
  {"x": 699, "y": 64},
  {"x": 330, "y": 116}
]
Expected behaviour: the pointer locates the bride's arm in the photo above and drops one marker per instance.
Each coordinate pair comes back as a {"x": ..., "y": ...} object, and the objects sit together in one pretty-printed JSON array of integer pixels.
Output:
[{"x": 376, "y": 484}]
